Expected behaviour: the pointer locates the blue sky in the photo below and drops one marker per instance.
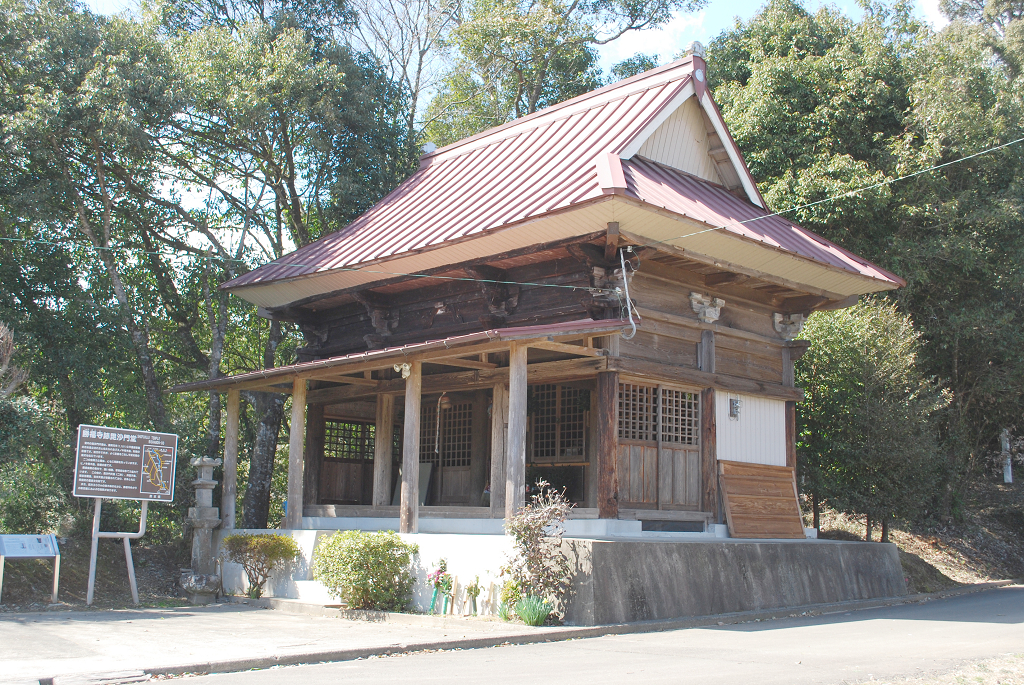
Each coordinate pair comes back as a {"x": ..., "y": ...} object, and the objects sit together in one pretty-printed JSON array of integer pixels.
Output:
[{"x": 671, "y": 38}]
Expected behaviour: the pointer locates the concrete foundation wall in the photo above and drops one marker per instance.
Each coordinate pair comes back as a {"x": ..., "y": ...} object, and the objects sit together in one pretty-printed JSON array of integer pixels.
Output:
[{"x": 624, "y": 581}]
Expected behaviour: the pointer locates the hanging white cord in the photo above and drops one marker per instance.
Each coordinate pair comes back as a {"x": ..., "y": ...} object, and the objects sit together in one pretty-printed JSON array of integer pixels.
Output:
[{"x": 629, "y": 303}]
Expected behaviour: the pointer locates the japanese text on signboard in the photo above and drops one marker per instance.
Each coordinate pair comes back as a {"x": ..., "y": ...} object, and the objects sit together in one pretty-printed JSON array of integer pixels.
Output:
[{"x": 119, "y": 463}]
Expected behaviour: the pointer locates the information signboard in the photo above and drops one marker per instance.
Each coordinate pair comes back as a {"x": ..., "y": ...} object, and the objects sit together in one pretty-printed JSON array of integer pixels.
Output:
[
  {"x": 119, "y": 463},
  {"x": 30, "y": 547}
]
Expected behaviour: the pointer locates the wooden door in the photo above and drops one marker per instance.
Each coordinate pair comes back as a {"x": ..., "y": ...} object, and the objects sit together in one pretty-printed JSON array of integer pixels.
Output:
[
  {"x": 658, "y": 464},
  {"x": 453, "y": 455},
  {"x": 346, "y": 473}
]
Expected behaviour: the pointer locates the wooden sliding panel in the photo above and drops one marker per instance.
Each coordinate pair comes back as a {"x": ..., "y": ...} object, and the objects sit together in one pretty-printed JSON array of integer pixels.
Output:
[
  {"x": 383, "y": 437},
  {"x": 709, "y": 454},
  {"x": 605, "y": 414},
  {"x": 314, "y": 453},
  {"x": 229, "y": 493},
  {"x": 760, "y": 500}
]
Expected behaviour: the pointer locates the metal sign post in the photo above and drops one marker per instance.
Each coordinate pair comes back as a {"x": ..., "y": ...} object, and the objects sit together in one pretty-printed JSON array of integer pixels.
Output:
[
  {"x": 120, "y": 463},
  {"x": 30, "y": 547}
]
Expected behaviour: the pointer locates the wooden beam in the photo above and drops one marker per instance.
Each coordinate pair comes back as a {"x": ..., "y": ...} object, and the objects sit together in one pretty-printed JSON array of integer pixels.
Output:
[
  {"x": 229, "y": 491},
  {"x": 542, "y": 372},
  {"x": 383, "y": 434},
  {"x": 711, "y": 280},
  {"x": 709, "y": 454},
  {"x": 515, "y": 467},
  {"x": 463, "y": 363},
  {"x": 297, "y": 432},
  {"x": 611, "y": 241},
  {"x": 410, "y": 500},
  {"x": 351, "y": 380},
  {"x": 499, "y": 436},
  {"x": 553, "y": 346},
  {"x": 706, "y": 358},
  {"x": 606, "y": 416},
  {"x": 680, "y": 374}
]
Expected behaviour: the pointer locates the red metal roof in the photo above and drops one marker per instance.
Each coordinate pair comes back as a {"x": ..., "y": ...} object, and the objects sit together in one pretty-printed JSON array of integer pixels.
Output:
[
  {"x": 713, "y": 205},
  {"x": 535, "y": 165}
]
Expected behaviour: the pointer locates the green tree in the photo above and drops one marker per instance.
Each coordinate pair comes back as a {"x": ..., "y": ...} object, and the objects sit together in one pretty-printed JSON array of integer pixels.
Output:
[
  {"x": 866, "y": 432},
  {"x": 822, "y": 105},
  {"x": 514, "y": 58}
]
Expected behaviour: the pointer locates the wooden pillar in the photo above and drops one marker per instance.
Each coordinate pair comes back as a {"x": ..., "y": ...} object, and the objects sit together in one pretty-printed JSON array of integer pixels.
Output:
[
  {"x": 499, "y": 435},
  {"x": 316, "y": 427},
  {"x": 478, "y": 449},
  {"x": 297, "y": 428},
  {"x": 515, "y": 467},
  {"x": 709, "y": 454},
  {"x": 706, "y": 356},
  {"x": 410, "y": 503},
  {"x": 383, "y": 437},
  {"x": 229, "y": 491},
  {"x": 606, "y": 415},
  {"x": 791, "y": 434},
  {"x": 788, "y": 375}
]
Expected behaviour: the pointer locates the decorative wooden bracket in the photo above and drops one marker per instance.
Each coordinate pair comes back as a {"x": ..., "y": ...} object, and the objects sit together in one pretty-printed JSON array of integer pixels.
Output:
[
  {"x": 382, "y": 318},
  {"x": 501, "y": 298}
]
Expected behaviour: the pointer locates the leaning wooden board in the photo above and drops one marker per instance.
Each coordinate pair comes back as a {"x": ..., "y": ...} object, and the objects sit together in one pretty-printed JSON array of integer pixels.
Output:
[{"x": 760, "y": 500}]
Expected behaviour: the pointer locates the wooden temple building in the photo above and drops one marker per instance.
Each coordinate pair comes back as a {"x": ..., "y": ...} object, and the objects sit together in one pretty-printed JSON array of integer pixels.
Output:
[{"x": 595, "y": 294}]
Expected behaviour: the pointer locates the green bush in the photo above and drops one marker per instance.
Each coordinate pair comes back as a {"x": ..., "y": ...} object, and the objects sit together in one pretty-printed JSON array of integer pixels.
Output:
[
  {"x": 533, "y": 610},
  {"x": 366, "y": 570},
  {"x": 31, "y": 501},
  {"x": 259, "y": 555}
]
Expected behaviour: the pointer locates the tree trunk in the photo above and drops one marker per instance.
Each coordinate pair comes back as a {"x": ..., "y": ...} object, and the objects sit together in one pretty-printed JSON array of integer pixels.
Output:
[
  {"x": 885, "y": 529},
  {"x": 867, "y": 525},
  {"x": 256, "y": 502},
  {"x": 816, "y": 511},
  {"x": 270, "y": 408}
]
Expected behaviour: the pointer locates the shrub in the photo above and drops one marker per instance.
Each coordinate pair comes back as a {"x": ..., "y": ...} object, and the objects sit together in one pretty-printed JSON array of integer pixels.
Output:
[
  {"x": 259, "y": 555},
  {"x": 539, "y": 567},
  {"x": 366, "y": 570},
  {"x": 31, "y": 501},
  {"x": 533, "y": 610}
]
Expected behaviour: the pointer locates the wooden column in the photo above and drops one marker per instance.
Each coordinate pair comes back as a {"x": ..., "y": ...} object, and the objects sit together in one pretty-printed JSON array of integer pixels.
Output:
[
  {"x": 297, "y": 428},
  {"x": 706, "y": 356},
  {"x": 499, "y": 435},
  {"x": 383, "y": 437},
  {"x": 791, "y": 434},
  {"x": 478, "y": 449},
  {"x": 515, "y": 467},
  {"x": 709, "y": 454},
  {"x": 229, "y": 491},
  {"x": 316, "y": 427},
  {"x": 605, "y": 411},
  {"x": 410, "y": 503}
]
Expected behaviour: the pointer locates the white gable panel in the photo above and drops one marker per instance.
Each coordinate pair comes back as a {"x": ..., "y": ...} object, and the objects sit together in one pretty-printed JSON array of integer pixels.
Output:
[{"x": 681, "y": 142}]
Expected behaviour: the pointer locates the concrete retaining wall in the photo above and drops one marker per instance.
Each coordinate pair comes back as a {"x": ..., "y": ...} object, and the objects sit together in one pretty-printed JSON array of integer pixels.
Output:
[{"x": 624, "y": 581}]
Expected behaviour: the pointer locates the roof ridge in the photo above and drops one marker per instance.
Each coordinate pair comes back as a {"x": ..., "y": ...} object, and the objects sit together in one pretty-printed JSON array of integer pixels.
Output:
[{"x": 548, "y": 111}]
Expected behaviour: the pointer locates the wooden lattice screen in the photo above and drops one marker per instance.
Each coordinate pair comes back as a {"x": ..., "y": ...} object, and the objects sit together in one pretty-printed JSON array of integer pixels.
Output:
[
  {"x": 558, "y": 424},
  {"x": 456, "y": 434}
]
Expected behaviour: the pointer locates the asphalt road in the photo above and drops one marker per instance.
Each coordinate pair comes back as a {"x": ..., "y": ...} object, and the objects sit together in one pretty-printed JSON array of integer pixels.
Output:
[{"x": 901, "y": 641}]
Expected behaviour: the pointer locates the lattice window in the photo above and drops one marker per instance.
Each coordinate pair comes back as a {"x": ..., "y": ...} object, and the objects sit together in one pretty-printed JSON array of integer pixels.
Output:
[
  {"x": 347, "y": 440},
  {"x": 558, "y": 416},
  {"x": 456, "y": 434},
  {"x": 637, "y": 405},
  {"x": 680, "y": 416}
]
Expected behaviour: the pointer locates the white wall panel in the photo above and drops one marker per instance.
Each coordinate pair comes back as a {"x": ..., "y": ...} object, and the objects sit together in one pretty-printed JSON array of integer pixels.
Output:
[{"x": 757, "y": 436}]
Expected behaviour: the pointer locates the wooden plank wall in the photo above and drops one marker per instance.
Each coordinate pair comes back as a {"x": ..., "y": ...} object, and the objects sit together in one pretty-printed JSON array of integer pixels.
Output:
[{"x": 760, "y": 501}]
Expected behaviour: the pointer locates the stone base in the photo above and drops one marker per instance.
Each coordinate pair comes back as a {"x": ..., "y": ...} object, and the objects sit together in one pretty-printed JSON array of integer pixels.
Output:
[
  {"x": 625, "y": 581},
  {"x": 202, "y": 588}
]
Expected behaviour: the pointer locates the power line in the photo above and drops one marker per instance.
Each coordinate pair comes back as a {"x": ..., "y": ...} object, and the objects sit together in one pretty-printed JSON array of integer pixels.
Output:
[{"x": 849, "y": 193}]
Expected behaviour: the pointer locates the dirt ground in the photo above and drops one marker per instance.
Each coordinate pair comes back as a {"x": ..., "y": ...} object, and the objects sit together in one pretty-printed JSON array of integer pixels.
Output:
[
  {"x": 27, "y": 583},
  {"x": 988, "y": 544}
]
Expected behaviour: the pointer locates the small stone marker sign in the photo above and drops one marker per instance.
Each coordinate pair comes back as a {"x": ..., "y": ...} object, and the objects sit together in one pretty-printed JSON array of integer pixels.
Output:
[{"x": 119, "y": 463}]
